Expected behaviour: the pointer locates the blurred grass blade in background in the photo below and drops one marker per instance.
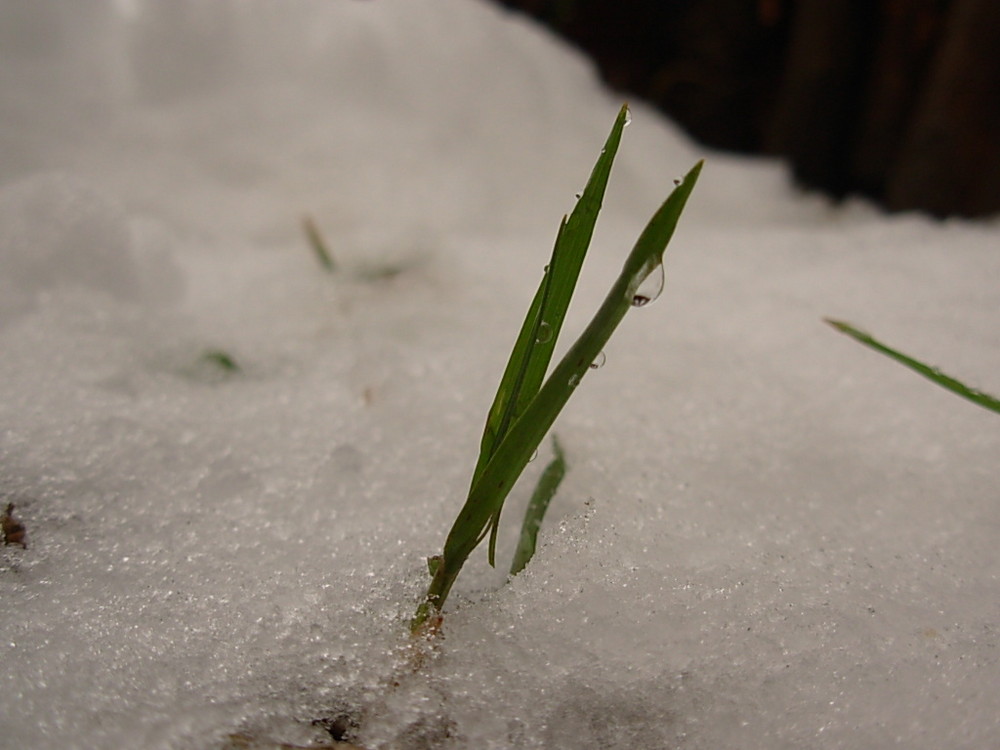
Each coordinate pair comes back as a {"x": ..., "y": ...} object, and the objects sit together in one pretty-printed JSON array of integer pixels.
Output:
[{"x": 319, "y": 247}]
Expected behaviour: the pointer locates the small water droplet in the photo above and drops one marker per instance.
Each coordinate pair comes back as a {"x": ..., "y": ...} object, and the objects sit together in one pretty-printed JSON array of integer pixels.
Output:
[
  {"x": 533, "y": 456},
  {"x": 599, "y": 361},
  {"x": 650, "y": 288},
  {"x": 579, "y": 195},
  {"x": 574, "y": 380},
  {"x": 628, "y": 117},
  {"x": 544, "y": 333}
]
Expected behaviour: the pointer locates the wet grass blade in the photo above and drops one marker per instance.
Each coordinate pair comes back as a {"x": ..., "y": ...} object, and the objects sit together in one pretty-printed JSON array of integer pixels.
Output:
[
  {"x": 984, "y": 400},
  {"x": 512, "y": 452},
  {"x": 545, "y": 490},
  {"x": 540, "y": 330}
]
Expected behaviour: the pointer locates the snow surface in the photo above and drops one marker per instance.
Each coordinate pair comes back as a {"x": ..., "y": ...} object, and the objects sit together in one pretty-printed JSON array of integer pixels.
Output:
[{"x": 769, "y": 537}]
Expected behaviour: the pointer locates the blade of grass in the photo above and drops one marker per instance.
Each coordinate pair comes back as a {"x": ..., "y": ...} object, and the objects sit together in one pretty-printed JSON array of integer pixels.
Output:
[
  {"x": 318, "y": 244},
  {"x": 978, "y": 397},
  {"x": 537, "y": 338},
  {"x": 545, "y": 490},
  {"x": 515, "y": 450},
  {"x": 221, "y": 359}
]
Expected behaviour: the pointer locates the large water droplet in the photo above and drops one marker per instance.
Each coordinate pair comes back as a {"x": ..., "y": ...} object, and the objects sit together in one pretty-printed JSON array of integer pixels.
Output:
[
  {"x": 650, "y": 288},
  {"x": 544, "y": 333},
  {"x": 599, "y": 361}
]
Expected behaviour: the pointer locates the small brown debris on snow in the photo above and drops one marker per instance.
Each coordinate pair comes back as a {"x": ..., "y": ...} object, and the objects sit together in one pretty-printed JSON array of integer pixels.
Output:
[{"x": 13, "y": 530}]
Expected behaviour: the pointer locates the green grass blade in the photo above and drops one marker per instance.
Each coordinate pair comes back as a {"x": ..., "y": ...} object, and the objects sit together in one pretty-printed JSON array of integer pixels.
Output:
[
  {"x": 527, "y": 432},
  {"x": 530, "y": 357},
  {"x": 318, "y": 244},
  {"x": 540, "y": 330},
  {"x": 221, "y": 359},
  {"x": 515, "y": 450},
  {"x": 512, "y": 384},
  {"x": 978, "y": 397},
  {"x": 545, "y": 490},
  {"x": 515, "y": 385}
]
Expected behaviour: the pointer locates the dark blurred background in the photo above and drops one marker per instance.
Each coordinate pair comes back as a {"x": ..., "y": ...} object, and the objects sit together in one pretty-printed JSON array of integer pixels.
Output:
[{"x": 896, "y": 100}]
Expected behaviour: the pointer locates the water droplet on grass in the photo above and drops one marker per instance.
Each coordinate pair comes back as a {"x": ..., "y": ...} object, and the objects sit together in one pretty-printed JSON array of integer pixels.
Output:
[
  {"x": 544, "y": 333},
  {"x": 599, "y": 361},
  {"x": 650, "y": 288},
  {"x": 628, "y": 117},
  {"x": 574, "y": 380}
]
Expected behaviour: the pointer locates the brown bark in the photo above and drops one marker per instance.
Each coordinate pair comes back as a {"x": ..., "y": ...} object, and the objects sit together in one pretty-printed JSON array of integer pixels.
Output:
[
  {"x": 896, "y": 99},
  {"x": 825, "y": 71},
  {"x": 949, "y": 161}
]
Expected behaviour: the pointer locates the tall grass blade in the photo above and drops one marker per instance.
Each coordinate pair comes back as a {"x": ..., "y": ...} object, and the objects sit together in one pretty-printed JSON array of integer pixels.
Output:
[
  {"x": 537, "y": 338},
  {"x": 978, "y": 397},
  {"x": 545, "y": 490}
]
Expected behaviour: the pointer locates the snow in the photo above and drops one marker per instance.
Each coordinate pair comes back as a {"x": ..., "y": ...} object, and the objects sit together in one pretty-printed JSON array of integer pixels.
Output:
[{"x": 769, "y": 537}]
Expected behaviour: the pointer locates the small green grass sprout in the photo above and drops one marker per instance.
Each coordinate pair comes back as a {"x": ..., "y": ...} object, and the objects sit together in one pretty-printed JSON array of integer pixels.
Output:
[
  {"x": 373, "y": 272},
  {"x": 984, "y": 400},
  {"x": 525, "y": 407},
  {"x": 220, "y": 359},
  {"x": 319, "y": 247}
]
